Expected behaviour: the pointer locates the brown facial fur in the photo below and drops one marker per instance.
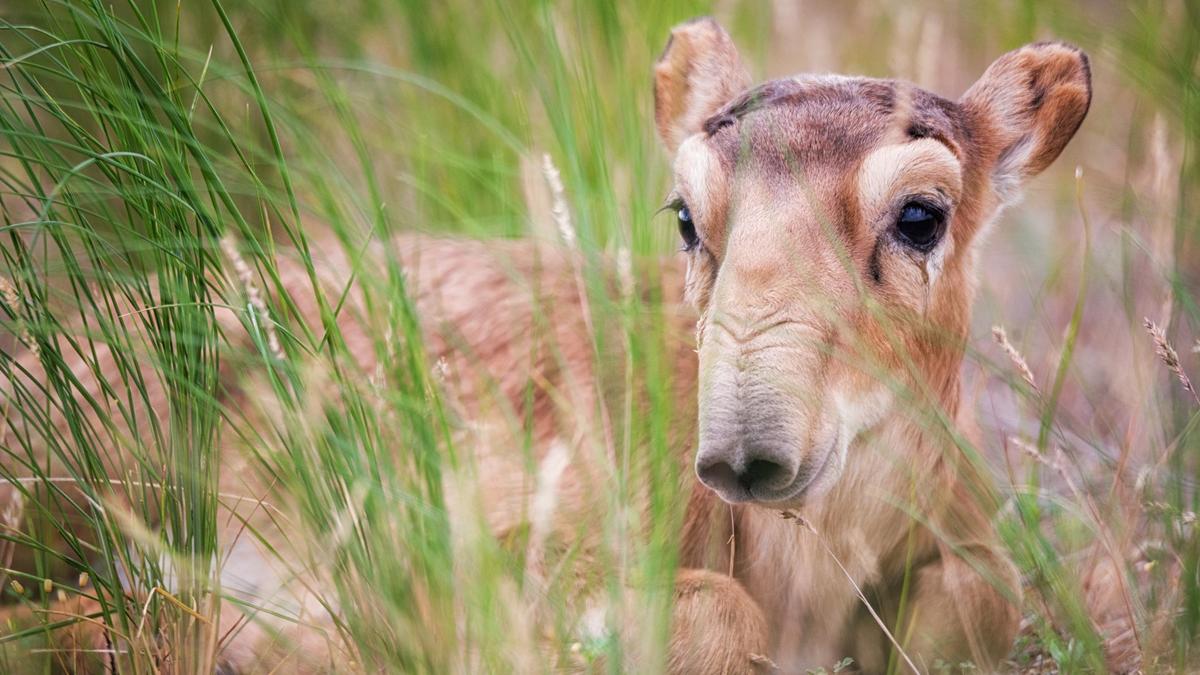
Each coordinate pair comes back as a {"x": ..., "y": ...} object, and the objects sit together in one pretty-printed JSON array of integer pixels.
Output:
[{"x": 790, "y": 242}]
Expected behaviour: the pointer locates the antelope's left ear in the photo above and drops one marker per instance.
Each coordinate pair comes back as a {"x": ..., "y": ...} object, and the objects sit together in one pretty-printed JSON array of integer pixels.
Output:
[{"x": 1026, "y": 107}]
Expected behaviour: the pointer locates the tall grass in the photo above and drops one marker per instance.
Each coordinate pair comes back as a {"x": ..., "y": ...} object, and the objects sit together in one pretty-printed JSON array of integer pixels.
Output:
[{"x": 193, "y": 198}]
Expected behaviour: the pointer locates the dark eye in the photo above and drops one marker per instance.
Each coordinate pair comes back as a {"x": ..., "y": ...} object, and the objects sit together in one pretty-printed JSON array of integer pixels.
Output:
[
  {"x": 920, "y": 225},
  {"x": 687, "y": 229}
]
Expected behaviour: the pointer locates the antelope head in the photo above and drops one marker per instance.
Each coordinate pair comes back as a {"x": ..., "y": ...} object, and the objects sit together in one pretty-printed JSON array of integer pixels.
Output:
[{"x": 829, "y": 225}]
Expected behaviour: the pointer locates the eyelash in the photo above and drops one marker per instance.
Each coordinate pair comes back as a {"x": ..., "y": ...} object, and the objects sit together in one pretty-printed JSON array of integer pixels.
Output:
[{"x": 687, "y": 228}]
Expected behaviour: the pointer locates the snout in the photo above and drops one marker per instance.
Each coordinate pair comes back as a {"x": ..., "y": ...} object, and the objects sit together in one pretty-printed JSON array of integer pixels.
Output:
[
  {"x": 745, "y": 471},
  {"x": 763, "y": 437},
  {"x": 771, "y": 474}
]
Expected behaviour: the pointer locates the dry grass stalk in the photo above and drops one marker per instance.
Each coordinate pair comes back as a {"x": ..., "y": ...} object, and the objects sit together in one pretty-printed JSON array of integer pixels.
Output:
[
  {"x": 1029, "y": 449},
  {"x": 1014, "y": 356},
  {"x": 1170, "y": 358},
  {"x": 254, "y": 294},
  {"x": 763, "y": 662},
  {"x": 804, "y": 523},
  {"x": 562, "y": 217},
  {"x": 562, "y": 214},
  {"x": 625, "y": 272},
  {"x": 10, "y": 522},
  {"x": 1057, "y": 463},
  {"x": 9, "y": 294},
  {"x": 541, "y": 514},
  {"x": 1125, "y": 622},
  {"x": 11, "y": 298}
]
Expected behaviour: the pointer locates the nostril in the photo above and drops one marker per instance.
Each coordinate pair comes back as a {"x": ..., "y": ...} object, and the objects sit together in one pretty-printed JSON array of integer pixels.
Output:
[
  {"x": 761, "y": 472},
  {"x": 718, "y": 475}
]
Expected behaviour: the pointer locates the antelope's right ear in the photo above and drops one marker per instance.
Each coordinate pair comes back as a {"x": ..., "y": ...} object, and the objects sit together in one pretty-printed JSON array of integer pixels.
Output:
[{"x": 698, "y": 72}]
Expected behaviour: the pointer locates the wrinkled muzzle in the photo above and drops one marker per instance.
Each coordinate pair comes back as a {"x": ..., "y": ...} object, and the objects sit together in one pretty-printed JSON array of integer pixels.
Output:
[{"x": 765, "y": 432}]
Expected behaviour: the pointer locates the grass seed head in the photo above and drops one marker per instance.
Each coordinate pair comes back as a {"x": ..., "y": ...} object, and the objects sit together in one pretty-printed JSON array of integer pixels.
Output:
[
  {"x": 9, "y": 294},
  {"x": 562, "y": 214},
  {"x": 254, "y": 295},
  {"x": 1014, "y": 356},
  {"x": 12, "y": 299},
  {"x": 1167, "y": 354},
  {"x": 10, "y": 518}
]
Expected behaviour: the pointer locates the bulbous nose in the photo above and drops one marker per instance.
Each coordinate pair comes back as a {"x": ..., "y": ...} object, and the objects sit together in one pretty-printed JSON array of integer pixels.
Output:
[{"x": 745, "y": 474}]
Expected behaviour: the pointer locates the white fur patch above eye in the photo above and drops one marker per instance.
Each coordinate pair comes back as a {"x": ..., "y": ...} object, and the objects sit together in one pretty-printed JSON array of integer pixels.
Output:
[
  {"x": 701, "y": 181},
  {"x": 921, "y": 167}
]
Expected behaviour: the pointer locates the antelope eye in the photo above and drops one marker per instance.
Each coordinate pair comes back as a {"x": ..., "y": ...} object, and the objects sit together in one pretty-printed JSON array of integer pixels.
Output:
[
  {"x": 687, "y": 228},
  {"x": 920, "y": 226}
]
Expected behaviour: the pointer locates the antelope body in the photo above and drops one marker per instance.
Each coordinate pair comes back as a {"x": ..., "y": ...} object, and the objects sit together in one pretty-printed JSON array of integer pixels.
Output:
[{"x": 829, "y": 226}]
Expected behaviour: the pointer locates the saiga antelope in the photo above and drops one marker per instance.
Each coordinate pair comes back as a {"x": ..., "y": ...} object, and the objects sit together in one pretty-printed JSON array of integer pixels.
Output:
[{"x": 829, "y": 227}]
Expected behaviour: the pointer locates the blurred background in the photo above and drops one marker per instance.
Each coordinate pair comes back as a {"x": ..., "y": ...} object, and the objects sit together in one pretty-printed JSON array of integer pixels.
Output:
[{"x": 359, "y": 118}]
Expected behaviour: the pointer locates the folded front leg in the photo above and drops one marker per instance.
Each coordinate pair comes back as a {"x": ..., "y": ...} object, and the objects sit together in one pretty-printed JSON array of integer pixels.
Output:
[
  {"x": 965, "y": 608},
  {"x": 716, "y": 626}
]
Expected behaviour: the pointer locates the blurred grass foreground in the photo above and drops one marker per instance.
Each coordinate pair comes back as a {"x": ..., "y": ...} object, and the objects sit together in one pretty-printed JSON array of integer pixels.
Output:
[{"x": 195, "y": 198}]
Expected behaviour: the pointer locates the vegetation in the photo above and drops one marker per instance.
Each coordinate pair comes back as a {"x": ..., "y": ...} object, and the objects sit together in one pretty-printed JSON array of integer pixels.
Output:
[{"x": 174, "y": 177}]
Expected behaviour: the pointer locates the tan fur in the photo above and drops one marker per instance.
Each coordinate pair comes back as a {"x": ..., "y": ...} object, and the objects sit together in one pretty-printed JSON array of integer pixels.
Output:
[
  {"x": 709, "y": 603},
  {"x": 818, "y": 333}
]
